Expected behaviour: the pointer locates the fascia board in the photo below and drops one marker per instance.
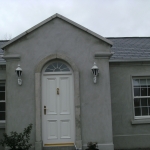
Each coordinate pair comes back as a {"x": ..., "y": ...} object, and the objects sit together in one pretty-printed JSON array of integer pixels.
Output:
[
  {"x": 2, "y": 63},
  {"x": 103, "y": 55},
  {"x": 12, "y": 56},
  {"x": 137, "y": 60}
]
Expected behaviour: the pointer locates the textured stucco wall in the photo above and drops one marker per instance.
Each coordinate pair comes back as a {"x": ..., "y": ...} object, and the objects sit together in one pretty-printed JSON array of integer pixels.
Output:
[
  {"x": 54, "y": 37},
  {"x": 125, "y": 134}
]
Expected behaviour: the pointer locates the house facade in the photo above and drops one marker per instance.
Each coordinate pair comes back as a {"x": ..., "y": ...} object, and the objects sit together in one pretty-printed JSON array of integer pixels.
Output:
[{"x": 58, "y": 95}]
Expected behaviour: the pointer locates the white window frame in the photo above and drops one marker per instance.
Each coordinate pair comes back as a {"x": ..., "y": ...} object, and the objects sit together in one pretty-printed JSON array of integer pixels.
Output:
[
  {"x": 139, "y": 77},
  {"x": 53, "y": 70},
  {"x": 3, "y": 121}
]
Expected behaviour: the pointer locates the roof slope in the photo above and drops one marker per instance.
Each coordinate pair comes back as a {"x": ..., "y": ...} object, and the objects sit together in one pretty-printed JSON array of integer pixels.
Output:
[
  {"x": 63, "y": 18},
  {"x": 2, "y": 42},
  {"x": 130, "y": 48}
]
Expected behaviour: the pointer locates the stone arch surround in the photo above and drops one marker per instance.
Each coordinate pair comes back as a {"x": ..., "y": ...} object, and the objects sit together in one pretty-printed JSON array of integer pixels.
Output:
[{"x": 38, "y": 117}]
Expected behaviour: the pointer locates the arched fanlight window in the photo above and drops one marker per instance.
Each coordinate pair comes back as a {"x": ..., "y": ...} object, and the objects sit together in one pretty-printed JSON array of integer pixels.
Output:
[{"x": 57, "y": 67}]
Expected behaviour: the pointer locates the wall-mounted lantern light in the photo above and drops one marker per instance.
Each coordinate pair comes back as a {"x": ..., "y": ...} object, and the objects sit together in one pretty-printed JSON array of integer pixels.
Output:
[
  {"x": 19, "y": 73},
  {"x": 95, "y": 72}
]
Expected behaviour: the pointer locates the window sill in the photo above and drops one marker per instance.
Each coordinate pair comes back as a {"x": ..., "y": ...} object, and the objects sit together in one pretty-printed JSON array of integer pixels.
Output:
[
  {"x": 2, "y": 125},
  {"x": 140, "y": 121}
]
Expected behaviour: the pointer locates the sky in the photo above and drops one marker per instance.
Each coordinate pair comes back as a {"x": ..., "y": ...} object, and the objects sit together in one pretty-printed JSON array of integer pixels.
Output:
[{"x": 108, "y": 18}]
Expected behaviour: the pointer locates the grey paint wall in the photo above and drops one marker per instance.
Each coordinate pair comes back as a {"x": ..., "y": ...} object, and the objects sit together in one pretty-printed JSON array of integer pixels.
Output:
[
  {"x": 54, "y": 37},
  {"x": 125, "y": 134}
]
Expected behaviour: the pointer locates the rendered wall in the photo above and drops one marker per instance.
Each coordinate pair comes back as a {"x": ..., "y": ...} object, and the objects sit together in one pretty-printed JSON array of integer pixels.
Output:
[
  {"x": 127, "y": 132},
  {"x": 55, "y": 37}
]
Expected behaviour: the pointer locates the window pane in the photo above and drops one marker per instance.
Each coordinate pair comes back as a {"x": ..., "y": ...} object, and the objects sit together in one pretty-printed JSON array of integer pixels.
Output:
[
  {"x": 2, "y": 88},
  {"x": 143, "y": 91},
  {"x": 57, "y": 70},
  {"x": 65, "y": 69},
  {"x": 143, "y": 83},
  {"x": 136, "y": 102},
  {"x": 63, "y": 66},
  {"x": 51, "y": 67},
  {"x": 137, "y": 111},
  {"x": 57, "y": 67},
  {"x": 2, "y": 115},
  {"x": 148, "y": 101},
  {"x": 2, "y": 95},
  {"x": 136, "y": 82},
  {"x": 2, "y": 106},
  {"x": 144, "y": 102},
  {"x": 148, "y": 82},
  {"x": 59, "y": 64},
  {"x": 54, "y": 65},
  {"x": 136, "y": 91},
  {"x": 149, "y": 91},
  {"x": 149, "y": 110},
  {"x": 144, "y": 111}
]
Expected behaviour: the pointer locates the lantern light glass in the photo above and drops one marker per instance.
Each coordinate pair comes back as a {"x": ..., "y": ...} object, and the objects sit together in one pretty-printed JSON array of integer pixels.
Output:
[
  {"x": 19, "y": 73},
  {"x": 95, "y": 72}
]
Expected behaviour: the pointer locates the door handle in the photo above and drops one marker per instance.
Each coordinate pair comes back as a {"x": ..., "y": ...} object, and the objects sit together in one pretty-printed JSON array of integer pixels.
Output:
[
  {"x": 44, "y": 110},
  {"x": 57, "y": 91}
]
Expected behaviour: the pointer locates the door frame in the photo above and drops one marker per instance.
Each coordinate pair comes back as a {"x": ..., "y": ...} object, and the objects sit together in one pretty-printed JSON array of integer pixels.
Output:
[
  {"x": 52, "y": 75},
  {"x": 38, "y": 99}
]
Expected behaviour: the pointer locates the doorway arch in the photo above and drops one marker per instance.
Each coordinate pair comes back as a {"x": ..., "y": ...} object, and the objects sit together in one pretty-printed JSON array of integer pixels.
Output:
[{"x": 38, "y": 118}]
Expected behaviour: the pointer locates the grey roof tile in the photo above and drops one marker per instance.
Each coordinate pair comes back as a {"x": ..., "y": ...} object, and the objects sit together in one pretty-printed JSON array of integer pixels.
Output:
[
  {"x": 2, "y": 61},
  {"x": 135, "y": 47}
]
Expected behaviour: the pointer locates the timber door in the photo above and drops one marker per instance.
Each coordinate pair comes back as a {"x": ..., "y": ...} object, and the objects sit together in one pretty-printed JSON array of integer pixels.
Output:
[{"x": 57, "y": 109}]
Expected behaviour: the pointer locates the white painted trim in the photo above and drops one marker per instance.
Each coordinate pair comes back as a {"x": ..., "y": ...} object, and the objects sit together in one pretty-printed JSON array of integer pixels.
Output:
[
  {"x": 141, "y": 121},
  {"x": 131, "y": 135},
  {"x": 12, "y": 56},
  {"x": 141, "y": 117},
  {"x": 129, "y": 60},
  {"x": 3, "y": 63},
  {"x": 103, "y": 55},
  {"x": 138, "y": 117},
  {"x": 55, "y": 73},
  {"x": 3, "y": 121}
]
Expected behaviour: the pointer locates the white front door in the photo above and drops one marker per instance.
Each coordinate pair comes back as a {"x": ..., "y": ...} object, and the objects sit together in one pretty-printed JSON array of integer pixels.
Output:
[{"x": 58, "y": 125}]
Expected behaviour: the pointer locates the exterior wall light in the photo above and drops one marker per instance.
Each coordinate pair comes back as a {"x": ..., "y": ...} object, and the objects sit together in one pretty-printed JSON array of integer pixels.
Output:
[
  {"x": 19, "y": 73},
  {"x": 95, "y": 72}
]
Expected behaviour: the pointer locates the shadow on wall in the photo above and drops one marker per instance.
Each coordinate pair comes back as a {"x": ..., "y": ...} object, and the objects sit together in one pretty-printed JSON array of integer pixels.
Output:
[{"x": 1, "y": 136}]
